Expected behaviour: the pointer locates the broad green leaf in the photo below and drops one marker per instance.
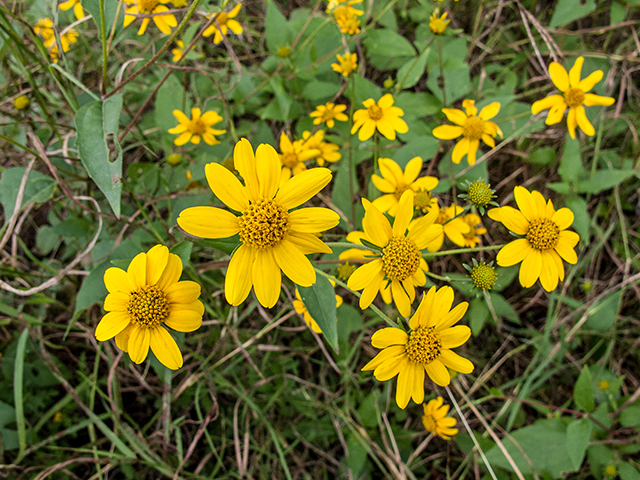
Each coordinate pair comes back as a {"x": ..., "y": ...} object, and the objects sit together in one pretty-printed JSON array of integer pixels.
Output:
[
  {"x": 365, "y": 89},
  {"x": 582, "y": 220},
  {"x": 605, "y": 313},
  {"x": 567, "y": 11},
  {"x": 542, "y": 156},
  {"x": 349, "y": 320},
  {"x": 169, "y": 98},
  {"x": 110, "y": 7},
  {"x": 95, "y": 123},
  {"x": 456, "y": 80},
  {"x": 503, "y": 308},
  {"x": 387, "y": 43},
  {"x": 617, "y": 13},
  {"x": 583, "y": 391},
  {"x": 627, "y": 472},
  {"x": 630, "y": 416},
  {"x": 424, "y": 147},
  {"x": 411, "y": 72},
  {"x": 39, "y": 188},
  {"x": 356, "y": 455},
  {"x": 320, "y": 301},
  {"x": 277, "y": 29},
  {"x": 578, "y": 437},
  {"x": 478, "y": 314},
  {"x": 571, "y": 168},
  {"x": 320, "y": 90},
  {"x": 604, "y": 180},
  {"x": 9, "y": 437},
  {"x": 183, "y": 250},
  {"x": 92, "y": 289}
]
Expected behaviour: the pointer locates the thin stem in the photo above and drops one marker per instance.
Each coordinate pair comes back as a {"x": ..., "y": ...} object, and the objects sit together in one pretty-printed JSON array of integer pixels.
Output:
[
  {"x": 103, "y": 35},
  {"x": 351, "y": 170},
  {"x": 441, "y": 76},
  {"x": 349, "y": 245}
]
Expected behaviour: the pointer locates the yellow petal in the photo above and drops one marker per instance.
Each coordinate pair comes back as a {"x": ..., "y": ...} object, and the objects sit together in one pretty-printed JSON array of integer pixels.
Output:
[
  {"x": 488, "y": 139},
  {"x": 556, "y": 113},
  {"x": 384, "y": 356},
  {"x": 245, "y": 163},
  {"x": 460, "y": 150},
  {"x": 452, "y": 317},
  {"x": 530, "y": 268},
  {"x": 117, "y": 280},
  {"x": 367, "y": 130},
  {"x": 455, "y": 336},
  {"x": 447, "y": 132},
  {"x": 473, "y": 149},
  {"x": 513, "y": 252},
  {"x": 455, "y": 362},
  {"x": 391, "y": 171},
  {"x": 404, "y": 214},
  {"x": 404, "y": 389},
  {"x": 572, "y": 122},
  {"x": 383, "y": 184},
  {"x": 137, "y": 271},
  {"x": 574, "y": 73},
  {"x": 157, "y": 258},
  {"x": 266, "y": 278},
  {"x": 294, "y": 264},
  {"x": 370, "y": 292},
  {"x": 111, "y": 325},
  {"x": 313, "y": 220},
  {"x": 440, "y": 306},
  {"x": 391, "y": 367},
  {"x": 165, "y": 348},
  {"x": 401, "y": 299},
  {"x": 237, "y": 284},
  {"x": 183, "y": 292},
  {"x": 583, "y": 121},
  {"x": 208, "y": 222},
  {"x": 364, "y": 274},
  {"x": 438, "y": 373},
  {"x": 185, "y": 319},
  {"x": 386, "y": 203},
  {"x": 559, "y": 76},
  {"x": 514, "y": 220},
  {"x": 139, "y": 340},
  {"x": 386, "y": 101},
  {"x": 526, "y": 204},
  {"x": 546, "y": 103},
  {"x": 116, "y": 302},
  {"x": 412, "y": 170},
  {"x": 591, "y": 100},
  {"x": 417, "y": 381},
  {"x": 308, "y": 243},
  {"x": 122, "y": 339},
  {"x": 566, "y": 251},
  {"x": 548, "y": 272},
  {"x": 490, "y": 111},
  {"x": 268, "y": 168},
  {"x": 171, "y": 273},
  {"x": 388, "y": 336},
  {"x": 590, "y": 82},
  {"x": 226, "y": 187},
  {"x": 376, "y": 225},
  {"x": 563, "y": 218},
  {"x": 300, "y": 188},
  {"x": 455, "y": 116},
  {"x": 386, "y": 129}
]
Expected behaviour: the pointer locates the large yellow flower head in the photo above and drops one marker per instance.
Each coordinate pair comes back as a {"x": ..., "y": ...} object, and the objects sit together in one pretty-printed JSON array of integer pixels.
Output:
[
  {"x": 328, "y": 113},
  {"x": 163, "y": 22},
  {"x": 347, "y": 64},
  {"x": 329, "y": 152},
  {"x": 401, "y": 264},
  {"x": 145, "y": 299},
  {"x": 78, "y": 11},
  {"x": 435, "y": 419},
  {"x": 196, "y": 128},
  {"x": 382, "y": 115},
  {"x": 472, "y": 127},
  {"x": 272, "y": 237},
  {"x": 574, "y": 97},
  {"x": 226, "y": 22},
  {"x": 293, "y": 156},
  {"x": 546, "y": 240},
  {"x": 394, "y": 182},
  {"x": 425, "y": 349},
  {"x": 454, "y": 227}
]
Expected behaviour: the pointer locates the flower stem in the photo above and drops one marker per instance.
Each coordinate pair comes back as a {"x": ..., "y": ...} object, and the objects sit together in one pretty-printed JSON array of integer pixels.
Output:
[
  {"x": 441, "y": 76},
  {"x": 103, "y": 36},
  {"x": 352, "y": 174}
]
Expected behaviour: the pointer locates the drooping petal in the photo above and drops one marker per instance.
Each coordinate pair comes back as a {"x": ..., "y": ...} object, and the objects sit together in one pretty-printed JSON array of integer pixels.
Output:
[
  {"x": 226, "y": 187},
  {"x": 404, "y": 389},
  {"x": 388, "y": 336},
  {"x": 548, "y": 273},
  {"x": 417, "y": 381},
  {"x": 300, "y": 188},
  {"x": 313, "y": 220},
  {"x": 583, "y": 121},
  {"x": 530, "y": 268},
  {"x": 122, "y": 339},
  {"x": 460, "y": 150},
  {"x": 111, "y": 325},
  {"x": 165, "y": 348},
  {"x": 370, "y": 292},
  {"x": 556, "y": 113},
  {"x": 572, "y": 122},
  {"x": 513, "y": 252},
  {"x": 237, "y": 283},
  {"x": 117, "y": 280},
  {"x": 139, "y": 340},
  {"x": 401, "y": 299},
  {"x": 438, "y": 373},
  {"x": 386, "y": 128},
  {"x": 473, "y": 150},
  {"x": 294, "y": 264},
  {"x": 559, "y": 76},
  {"x": 376, "y": 225},
  {"x": 157, "y": 259},
  {"x": 455, "y": 361},
  {"x": 266, "y": 278}
]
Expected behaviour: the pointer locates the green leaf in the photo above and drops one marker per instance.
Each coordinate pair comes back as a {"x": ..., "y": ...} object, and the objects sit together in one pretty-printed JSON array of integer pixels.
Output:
[
  {"x": 96, "y": 121},
  {"x": 110, "y": 8},
  {"x": 9, "y": 437},
  {"x": 617, "y": 13},
  {"x": 604, "y": 180},
  {"x": 424, "y": 147},
  {"x": 571, "y": 168},
  {"x": 627, "y": 472},
  {"x": 582, "y": 220},
  {"x": 320, "y": 301},
  {"x": 169, "y": 98},
  {"x": 39, "y": 188},
  {"x": 277, "y": 29},
  {"x": 542, "y": 156},
  {"x": 583, "y": 391},
  {"x": 411, "y": 72},
  {"x": 630, "y": 416},
  {"x": 605, "y": 313},
  {"x": 92, "y": 289},
  {"x": 567, "y": 11},
  {"x": 387, "y": 43},
  {"x": 320, "y": 90},
  {"x": 183, "y": 250},
  {"x": 478, "y": 314},
  {"x": 578, "y": 437}
]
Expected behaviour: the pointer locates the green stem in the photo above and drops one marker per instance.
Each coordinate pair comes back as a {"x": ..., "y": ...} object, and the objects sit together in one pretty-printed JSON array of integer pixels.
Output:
[
  {"x": 462, "y": 250},
  {"x": 349, "y": 245},
  {"x": 103, "y": 35},
  {"x": 351, "y": 170},
  {"x": 441, "y": 79}
]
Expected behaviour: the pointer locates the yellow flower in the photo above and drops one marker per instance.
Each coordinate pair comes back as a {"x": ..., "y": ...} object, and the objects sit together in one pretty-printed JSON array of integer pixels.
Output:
[
  {"x": 272, "y": 238},
  {"x": 483, "y": 276},
  {"x": 328, "y": 151},
  {"x": 57, "y": 417},
  {"x": 574, "y": 97},
  {"x": 293, "y": 156},
  {"x": 610, "y": 471},
  {"x": 327, "y": 113},
  {"x": 78, "y": 11},
  {"x": 603, "y": 385},
  {"x": 435, "y": 419},
  {"x": 302, "y": 310},
  {"x": 472, "y": 127},
  {"x": 347, "y": 19},
  {"x": 196, "y": 128},
  {"x": 177, "y": 52},
  {"x": 401, "y": 263},
  {"x": 44, "y": 28},
  {"x": 347, "y": 64},
  {"x": 470, "y": 238},
  {"x": 427, "y": 347},
  {"x": 383, "y": 116},
  {"x": 147, "y": 7},
  {"x": 144, "y": 299},
  {"x": 394, "y": 182},
  {"x": 179, "y": 3},
  {"x": 21, "y": 103},
  {"x": 226, "y": 22},
  {"x": 546, "y": 239},
  {"x": 454, "y": 228},
  {"x": 438, "y": 25},
  {"x": 333, "y": 4}
]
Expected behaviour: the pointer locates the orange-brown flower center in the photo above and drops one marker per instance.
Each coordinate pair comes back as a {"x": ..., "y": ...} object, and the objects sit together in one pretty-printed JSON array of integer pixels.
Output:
[
  {"x": 543, "y": 234},
  {"x": 198, "y": 127},
  {"x": 422, "y": 200},
  {"x": 290, "y": 159},
  {"x": 375, "y": 112},
  {"x": 443, "y": 217},
  {"x": 148, "y": 306},
  {"x": 400, "y": 189},
  {"x": 264, "y": 224},
  {"x": 424, "y": 345},
  {"x": 147, "y": 6},
  {"x": 429, "y": 423},
  {"x": 574, "y": 97},
  {"x": 473, "y": 128},
  {"x": 400, "y": 258}
]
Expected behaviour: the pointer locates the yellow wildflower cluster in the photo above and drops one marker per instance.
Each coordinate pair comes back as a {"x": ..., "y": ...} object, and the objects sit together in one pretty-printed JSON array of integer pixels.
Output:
[
  {"x": 44, "y": 28},
  {"x": 310, "y": 147}
]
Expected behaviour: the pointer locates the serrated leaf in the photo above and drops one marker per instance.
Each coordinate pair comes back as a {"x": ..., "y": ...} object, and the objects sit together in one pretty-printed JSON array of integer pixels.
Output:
[
  {"x": 578, "y": 437},
  {"x": 583, "y": 391},
  {"x": 96, "y": 121},
  {"x": 320, "y": 301}
]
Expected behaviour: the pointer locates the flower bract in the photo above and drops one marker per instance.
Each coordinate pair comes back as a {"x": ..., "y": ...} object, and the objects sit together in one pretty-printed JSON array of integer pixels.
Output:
[
  {"x": 382, "y": 116},
  {"x": 435, "y": 419},
  {"x": 197, "y": 127}
]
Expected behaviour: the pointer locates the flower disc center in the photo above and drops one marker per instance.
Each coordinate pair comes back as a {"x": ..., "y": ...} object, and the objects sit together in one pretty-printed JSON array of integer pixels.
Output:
[
  {"x": 543, "y": 234},
  {"x": 375, "y": 112},
  {"x": 400, "y": 258},
  {"x": 574, "y": 97},
  {"x": 147, "y": 6},
  {"x": 422, "y": 200},
  {"x": 400, "y": 189},
  {"x": 473, "y": 128},
  {"x": 424, "y": 345},
  {"x": 483, "y": 276},
  {"x": 264, "y": 224},
  {"x": 443, "y": 217},
  {"x": 148, "y": 306},
  {"x": 429, "y": 423},
  {"x": 290, "y": 159},
  {"x": 198, "y": 127}
]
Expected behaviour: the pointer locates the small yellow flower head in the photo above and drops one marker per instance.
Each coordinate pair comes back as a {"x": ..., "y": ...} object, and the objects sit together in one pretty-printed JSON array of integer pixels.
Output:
[
  {"x": 435, "y": 419},
  {"x": 480, "y": 194},
  {"x": 483, "y": 276},
  {"x": 177, "y": 52},
  {"x": 284, "y": 52},
  {"x": 328, "y": 113},
  {"x": 333, "y": 4},
  {"x": 574, "y": 97},
  {"x": 438, "y": 25},
  {"x": 156, "y": 7},
  {"x": 347, "y": 64},
  {"x": 345, "y": 270},
  {"x": 21, "y": 103},
  {"x": 472, "y": 127},
  {"x": 347, "y": 19},
  {"x": 388, "y": 83},
  {"x": 57, "y": 417},
  {"x": 610, "y": 471},
  {"x": 179, "y": 3},
  {"x": 78, "y": 11},
  {"x": 44, "y": 28},
  {"x": 196, "y": 128},
  {"x": 174, "y": 159},
  {"x": 329, "y": 152},
  {"x": 227, "y": 22},
  {"x": 382, "y": 116},
  {"x": 454, "y": 225},
  {"x": 586, "y": 286},
  {"x": 603, "y": 385},
  {"x": 294, "y": 154}
]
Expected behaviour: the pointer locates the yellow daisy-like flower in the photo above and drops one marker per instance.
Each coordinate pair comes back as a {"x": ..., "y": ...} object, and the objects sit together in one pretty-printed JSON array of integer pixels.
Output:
[
  {"x": 426, "y": 348},
  {"x": 147, "y": 7},
  {"x": 327, "y": 113},
  {"x": 302, "y": 310},
  {"x": 145, "y": 299},
  {"x": 226, "y": 22},
  {"x": 383, "y": 116},
  {"x": 44, "y": 28},
  {"x": 347, "y": 19},
  {"x": 394, "y": 182},
  {"x": 347, "y": 64},
  {"x": 21, "y": 103},
  {"x": 574, "y": 97},
  {"x": 472, "y": 127},
  {"x": 546, "y": 240},
  {"x": 293, "y": 156},
  {"x": 78, "y": 11},
  {"x": 273, "y": 238},
  {"x": 455, "y": 228},
  {"x": 401, "y": 264},
  {"x": 196, "y": 128},
  {"x": 328, "y": 151},
  {"x": 438, "y": 25},
  {"x": 435, "y": 419},
  {"x": 177, "y": 52},
  {"x": 470, "y": 238},
  {"x": 333, "y": 4}
]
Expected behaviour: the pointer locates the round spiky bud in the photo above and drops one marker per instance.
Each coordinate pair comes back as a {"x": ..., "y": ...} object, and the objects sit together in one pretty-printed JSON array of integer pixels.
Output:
[
  {"x": 174, "y": 159},
  {"x": 21, "y": 103},
  {"x": 345, "y": 271},
  {"x": 483, "y": 276},
  {"x": 284, "y": 52},
  {"x": 480, "y": 193}
]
